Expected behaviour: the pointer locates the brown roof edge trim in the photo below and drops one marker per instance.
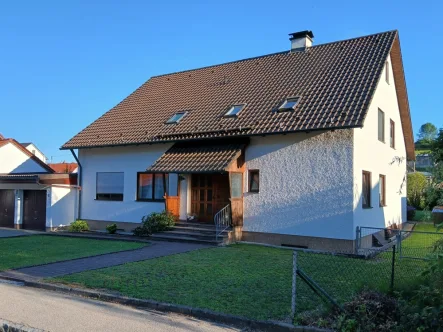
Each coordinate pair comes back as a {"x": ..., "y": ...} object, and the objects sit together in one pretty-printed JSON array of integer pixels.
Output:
[
  {"x": 402, "y": 97},
  {"x": 213, "y": 138},
  {"x": 375, "y": 86}
]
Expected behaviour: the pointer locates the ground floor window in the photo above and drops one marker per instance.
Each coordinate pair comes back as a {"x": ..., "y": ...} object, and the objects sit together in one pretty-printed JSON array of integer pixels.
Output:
[
  {"x": 366, "y": 190},
  {"x": 151, "y": 186},
  {"x": 254, "y": 180},
  {"x": 382, "y": 190},
  {"x": 109, "y": 186}
]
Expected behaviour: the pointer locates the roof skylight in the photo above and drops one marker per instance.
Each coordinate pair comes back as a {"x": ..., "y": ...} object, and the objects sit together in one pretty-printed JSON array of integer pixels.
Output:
[
  {"x": 234, "y": 110},
  {"x": 289, "y": 104},
  {"x": 176, "y": 117}
]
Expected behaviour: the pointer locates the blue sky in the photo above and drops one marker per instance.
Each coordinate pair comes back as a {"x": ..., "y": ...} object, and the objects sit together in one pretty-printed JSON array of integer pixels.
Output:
[{"x": 65, "y": 63}]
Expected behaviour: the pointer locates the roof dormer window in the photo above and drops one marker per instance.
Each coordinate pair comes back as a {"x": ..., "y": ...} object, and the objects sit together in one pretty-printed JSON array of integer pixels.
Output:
[
  {"x": 289, "y": 104},
  {"x": 176, "y": 117},
  {"x": 234, "y": 110}
]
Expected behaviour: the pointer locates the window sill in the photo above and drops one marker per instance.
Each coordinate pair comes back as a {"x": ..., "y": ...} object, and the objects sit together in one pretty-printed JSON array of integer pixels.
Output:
[
  {"x": 150, "y": 200},
  {"x": 367, "y": 207},
  {"x": 108, "y": 200}
]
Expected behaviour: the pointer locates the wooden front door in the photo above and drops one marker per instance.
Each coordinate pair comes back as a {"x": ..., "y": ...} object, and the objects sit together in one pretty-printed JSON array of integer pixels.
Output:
[
  {"x": 7, "y": 205},
  {"x": 210, "y": 193},
  {"x": 34, "y": 209}
]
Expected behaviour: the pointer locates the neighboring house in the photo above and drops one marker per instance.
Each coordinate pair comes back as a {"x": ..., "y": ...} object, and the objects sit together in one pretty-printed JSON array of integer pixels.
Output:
[
  {"x": 64, "y": 167},
  {"x": 32, "y": 196},
  {"x": 424, "y": 161},
  {"x": 305, "y": 145},
  {"x": 36, "y": 152}
]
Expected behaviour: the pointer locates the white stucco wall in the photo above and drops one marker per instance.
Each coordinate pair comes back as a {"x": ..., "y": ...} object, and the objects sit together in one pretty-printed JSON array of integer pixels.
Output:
[
  {"x": 129, "y": 160},
  {"x": 13, "y": 160},
  {"x": 33, "y": 149},
  {"x": 374, "y": 156},
  {"x": 305, "y": 185},
  {"x": 63, "y": 207}
]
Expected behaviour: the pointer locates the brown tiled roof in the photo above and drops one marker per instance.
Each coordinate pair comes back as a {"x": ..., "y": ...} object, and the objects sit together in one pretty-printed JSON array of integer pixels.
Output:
[
  {"x": 335, "y": 83},
  {"x": 63, "y": 167},
  {"x": 197, "y": 159},
  {"x": 27, "y": 152}
]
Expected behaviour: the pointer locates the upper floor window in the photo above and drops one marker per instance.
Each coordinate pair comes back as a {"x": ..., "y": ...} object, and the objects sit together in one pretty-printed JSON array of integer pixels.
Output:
[
  {"x": 289, "y": 104},
  {"x": 387, "y": 71},
  {"x": 381, "y": 126},
  {"x": 176, "y": 117},
  {"x": 366, "y": 190},
  {"x": 392, "y": 134},
  {"x": 234, "y": 110},
  {"x": 151, "y": 186},
  {"x": 109, "y": 186}
]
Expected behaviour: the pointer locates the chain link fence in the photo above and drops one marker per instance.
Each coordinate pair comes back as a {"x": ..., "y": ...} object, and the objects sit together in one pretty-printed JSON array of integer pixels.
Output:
[{"x": 386, "y": 260}]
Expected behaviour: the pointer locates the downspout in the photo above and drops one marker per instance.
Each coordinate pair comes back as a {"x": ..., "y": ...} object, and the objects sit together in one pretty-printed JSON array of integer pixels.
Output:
[{"x": 79, "y": 182}]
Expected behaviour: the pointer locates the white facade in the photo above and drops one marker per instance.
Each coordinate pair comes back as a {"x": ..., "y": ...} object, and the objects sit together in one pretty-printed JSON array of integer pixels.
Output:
[
  {"x": 129, "y": 160},
  {"x": 305, "y": 185},
  {"x": 36, "y": 152},
  {"x": 13, "y": 160},
  {"x": 376, "y": 157}
]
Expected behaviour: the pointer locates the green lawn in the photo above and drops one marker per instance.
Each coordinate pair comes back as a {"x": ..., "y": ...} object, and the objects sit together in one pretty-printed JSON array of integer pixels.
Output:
[
  {"x": 250, "y": 280},
  {"x": 40, "y": 249}
]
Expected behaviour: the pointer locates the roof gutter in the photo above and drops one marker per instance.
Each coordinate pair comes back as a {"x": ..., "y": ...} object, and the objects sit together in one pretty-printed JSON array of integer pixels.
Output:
[{"x": 79, "y": 183}]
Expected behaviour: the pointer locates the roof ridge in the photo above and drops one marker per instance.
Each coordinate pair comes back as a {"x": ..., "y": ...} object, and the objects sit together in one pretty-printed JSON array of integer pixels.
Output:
[{"x": 270, "y": 54}]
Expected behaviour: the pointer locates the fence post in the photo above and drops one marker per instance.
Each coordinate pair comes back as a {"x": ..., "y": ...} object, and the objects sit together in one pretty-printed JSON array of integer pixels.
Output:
[
  {"x": 393, "y": 268},
  {"x": 358, "y": 235},
  {"x": 294, "y": 283}
]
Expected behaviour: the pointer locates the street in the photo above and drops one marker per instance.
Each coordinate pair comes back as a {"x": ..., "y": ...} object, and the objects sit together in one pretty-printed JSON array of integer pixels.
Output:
[{"x": 53, "y": 311}]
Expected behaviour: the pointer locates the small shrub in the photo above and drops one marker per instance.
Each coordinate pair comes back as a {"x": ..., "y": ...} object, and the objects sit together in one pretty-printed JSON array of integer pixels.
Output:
[
  {"x": 155, "y": 222},
  {"x": 411, "y": 212},
  {"x": 79, "y": 226},
  {"x": 111, "y": 228}
]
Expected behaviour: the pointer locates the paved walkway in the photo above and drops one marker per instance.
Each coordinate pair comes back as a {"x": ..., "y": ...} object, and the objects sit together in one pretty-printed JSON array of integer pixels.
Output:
[
  {"x": 54, "y": 312},
  {"x": 156, "y": 249},
  {"x": 10, "y": 232}
]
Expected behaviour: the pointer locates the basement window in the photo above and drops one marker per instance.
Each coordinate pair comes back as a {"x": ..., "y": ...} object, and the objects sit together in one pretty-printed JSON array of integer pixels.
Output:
[
  {"x": 176, "y": 117},
  {"x": 234, "y": 110},
  {"x": 289, "y": 104}
]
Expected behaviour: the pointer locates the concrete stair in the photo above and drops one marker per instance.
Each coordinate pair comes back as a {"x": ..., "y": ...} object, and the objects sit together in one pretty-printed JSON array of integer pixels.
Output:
[{"x": 195, "y": 232}]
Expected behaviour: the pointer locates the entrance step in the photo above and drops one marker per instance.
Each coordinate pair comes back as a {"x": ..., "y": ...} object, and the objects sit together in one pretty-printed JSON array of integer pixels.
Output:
[{"x": 184, "y": 231}]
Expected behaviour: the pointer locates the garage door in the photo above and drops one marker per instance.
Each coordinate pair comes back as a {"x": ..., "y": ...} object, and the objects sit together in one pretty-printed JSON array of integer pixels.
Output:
[
  {"x": 7, "y": 204},
  {"x": 34, "y": 209}
]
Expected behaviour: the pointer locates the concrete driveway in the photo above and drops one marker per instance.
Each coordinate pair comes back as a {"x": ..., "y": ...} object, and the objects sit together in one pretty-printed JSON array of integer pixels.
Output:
[{"x": 9, "y": 232}]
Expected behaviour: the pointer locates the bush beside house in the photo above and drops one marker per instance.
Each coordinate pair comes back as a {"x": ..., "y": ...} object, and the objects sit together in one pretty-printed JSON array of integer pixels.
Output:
[
  {"x": 155, "y": 222},
  {"x": 415, "y": 190}
]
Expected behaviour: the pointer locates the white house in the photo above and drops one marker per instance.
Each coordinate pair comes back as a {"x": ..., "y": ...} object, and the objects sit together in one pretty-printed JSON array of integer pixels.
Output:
[
  {"x": 32, "y": 196},
  {"x": 302, "y": 146},
  {"x": 35, "y": 151}
]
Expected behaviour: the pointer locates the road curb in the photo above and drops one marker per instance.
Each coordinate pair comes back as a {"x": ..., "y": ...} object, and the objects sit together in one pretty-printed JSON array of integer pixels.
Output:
[
  {"x": 8, "y": 326},
  {"x": 169, "y": 307}
]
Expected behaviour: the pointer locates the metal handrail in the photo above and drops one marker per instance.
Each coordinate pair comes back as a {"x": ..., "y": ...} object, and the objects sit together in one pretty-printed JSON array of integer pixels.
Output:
[{"x": 222, "y": 220}]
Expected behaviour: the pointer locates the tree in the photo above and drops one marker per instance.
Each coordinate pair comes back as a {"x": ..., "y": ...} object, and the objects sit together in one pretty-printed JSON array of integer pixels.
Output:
[
  {"x": 437, "y": 147},
  {"x": 427, "y": 132},
  {"x": 415, "y": 189}
]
